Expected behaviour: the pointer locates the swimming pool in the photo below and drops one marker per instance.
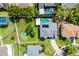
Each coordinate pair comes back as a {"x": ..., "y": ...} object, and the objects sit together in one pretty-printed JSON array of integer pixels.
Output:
[
  {"x": 3, "y": 21},
  {"x": 44, "y": 20},
  {"x": 49, "y": 10}
]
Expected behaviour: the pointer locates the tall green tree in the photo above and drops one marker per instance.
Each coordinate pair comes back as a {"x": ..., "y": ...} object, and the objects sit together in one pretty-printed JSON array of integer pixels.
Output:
[
  {"x": 74, "y": 15},
  {"x": 61, "y": 15},
  {"x": 14, "y": 10},
  {"x": 71, "y": 50}
]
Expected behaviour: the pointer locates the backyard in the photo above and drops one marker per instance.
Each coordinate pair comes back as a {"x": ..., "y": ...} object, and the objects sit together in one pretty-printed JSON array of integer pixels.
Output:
[{"x": 22, "y": 25}]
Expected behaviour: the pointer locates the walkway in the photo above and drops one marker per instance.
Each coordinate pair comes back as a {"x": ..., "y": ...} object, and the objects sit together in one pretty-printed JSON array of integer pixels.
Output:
[
  {"x": 17, "y": 35},
  {"x": 1, "y": 40},
  {"x": 17, "y": 32},
  {"x": 56, "y": 48}
]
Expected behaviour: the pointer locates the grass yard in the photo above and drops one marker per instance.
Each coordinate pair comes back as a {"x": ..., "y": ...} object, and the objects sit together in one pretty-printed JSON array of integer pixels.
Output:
[
  {"x": 4, "y": 31},
  {"x": 77, "y": 41},
  {"x": 3, "y": 13},
  {"x": 61, "y": 43},
  {"x": 11, "y": 38},
  {"x": 48, "y": 50},
  {"x": 22, "y": 27}
]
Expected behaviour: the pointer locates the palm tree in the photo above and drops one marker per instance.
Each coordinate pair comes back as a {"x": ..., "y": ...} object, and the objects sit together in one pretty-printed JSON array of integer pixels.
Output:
[{"x": 61, "y": 15}]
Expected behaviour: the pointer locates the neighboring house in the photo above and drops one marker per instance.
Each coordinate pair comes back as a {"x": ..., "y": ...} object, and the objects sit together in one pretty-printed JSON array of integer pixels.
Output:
[
  {"x": 46, "y": 8},
  {"x": 6, "y": 50},
  {"x": 4, "y": 6},
  {"x": 4, "y": 21},
  {"x": 33, "y": 50},
  {"x": 47, "y": 28},
  {"x": 70, "y": 31},
  {"x": 24, "y": 5},
  {"x": 69, "y": 5}
]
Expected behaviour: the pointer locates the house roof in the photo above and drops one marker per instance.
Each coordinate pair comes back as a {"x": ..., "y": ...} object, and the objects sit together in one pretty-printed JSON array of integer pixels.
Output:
[
  {"x": 6, "y": 50},
  {"x": 69, "y": 5},
  {"x": 33, "y": 50},
  {"x": 49, "y": 32},
  {"x": 4, "y": 5},
  {"x": 24, "y": 5},
  {"x": 70, "y": 30}
]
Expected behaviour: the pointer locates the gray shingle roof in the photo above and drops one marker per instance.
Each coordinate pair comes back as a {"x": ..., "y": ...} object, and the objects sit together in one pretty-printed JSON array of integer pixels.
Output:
[
  {"x": 51, "y": 31},
  {"x": 33, "y": 50}
]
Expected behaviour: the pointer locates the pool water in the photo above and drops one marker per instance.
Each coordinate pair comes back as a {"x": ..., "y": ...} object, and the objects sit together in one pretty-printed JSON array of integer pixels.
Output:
[
  {"x": 44, "y": 20},
  {"x": 49, "y": 10},
  {"x": 2, "y": 20}
]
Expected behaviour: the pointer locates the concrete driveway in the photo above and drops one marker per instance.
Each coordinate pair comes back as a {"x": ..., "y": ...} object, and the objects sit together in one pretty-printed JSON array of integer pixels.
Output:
[{"x": 55, "y": 47}]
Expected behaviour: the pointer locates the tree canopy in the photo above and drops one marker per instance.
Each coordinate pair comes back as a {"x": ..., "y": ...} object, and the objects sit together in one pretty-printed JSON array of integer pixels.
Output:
[
  {"x": 74, "y": 15},
  {"x": 71, "y": 50},
  {"x": 28, "y": 12}
]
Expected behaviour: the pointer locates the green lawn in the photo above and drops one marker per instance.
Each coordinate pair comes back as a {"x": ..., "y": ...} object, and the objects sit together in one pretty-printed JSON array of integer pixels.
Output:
[
  {"x": 3, "y": 13},
  {"x": 77, "y": 41},
  {"x": 11, "y": 39},
  {"x": 48, "y": 50},
  {"x": 61, "y": 43},
  {"x": 22, "y": 25}
]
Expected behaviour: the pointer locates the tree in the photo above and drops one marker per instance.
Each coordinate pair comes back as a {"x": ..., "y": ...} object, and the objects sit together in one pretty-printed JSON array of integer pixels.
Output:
[
  {"x": 32, "y": 34},
  {"x": 29, "y": 12},
  {"x": 61, "y": 14},
  {"x": 74, "y": 15},
  {"x": 71, "y": 50},
  {"x": 14, "y": 10},
  {"x": 30, "y": 30}
]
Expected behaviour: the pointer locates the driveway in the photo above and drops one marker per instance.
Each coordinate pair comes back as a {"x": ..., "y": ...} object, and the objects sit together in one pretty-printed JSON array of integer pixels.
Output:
[{"x": 56, "y": 48}]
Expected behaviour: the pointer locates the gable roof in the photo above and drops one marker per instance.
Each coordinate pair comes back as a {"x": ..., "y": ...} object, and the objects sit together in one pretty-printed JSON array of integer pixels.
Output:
[
  {"x": 33, "y": 50},
  {"x": 70, "y": 30}
]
